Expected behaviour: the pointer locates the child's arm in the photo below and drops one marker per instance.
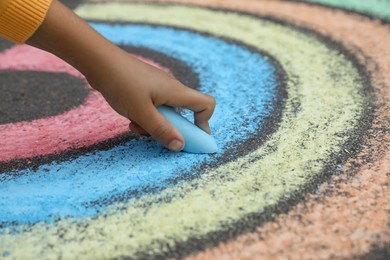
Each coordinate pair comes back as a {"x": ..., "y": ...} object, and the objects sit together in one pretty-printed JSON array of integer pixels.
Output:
[{"x": 131, "y": 87}]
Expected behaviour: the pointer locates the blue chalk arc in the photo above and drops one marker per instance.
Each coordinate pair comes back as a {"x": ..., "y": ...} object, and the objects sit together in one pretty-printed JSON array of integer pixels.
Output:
[{"x": 244, "y": 84}]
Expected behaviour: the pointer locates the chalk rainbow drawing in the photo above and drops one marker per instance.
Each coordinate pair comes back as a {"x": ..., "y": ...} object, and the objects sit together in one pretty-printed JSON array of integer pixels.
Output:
[{"x": 281, "y": 130}]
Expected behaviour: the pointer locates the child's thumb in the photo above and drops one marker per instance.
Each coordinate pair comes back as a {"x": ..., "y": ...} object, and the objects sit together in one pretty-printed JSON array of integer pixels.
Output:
[{"x": 161, "y": 129}]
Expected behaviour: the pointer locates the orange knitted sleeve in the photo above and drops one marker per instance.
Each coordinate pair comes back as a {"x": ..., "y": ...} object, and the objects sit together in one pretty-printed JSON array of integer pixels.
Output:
[{"x": 19, "y": 19}]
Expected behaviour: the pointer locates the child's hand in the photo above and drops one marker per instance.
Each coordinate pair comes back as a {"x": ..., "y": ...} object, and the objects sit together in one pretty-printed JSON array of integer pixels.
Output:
[
  {"x": 134, "y": 89},
  {"x": 131, "y": 87}
]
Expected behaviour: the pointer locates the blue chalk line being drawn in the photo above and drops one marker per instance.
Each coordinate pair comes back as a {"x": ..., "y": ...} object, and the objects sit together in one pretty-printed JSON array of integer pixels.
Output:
[{"x": 244, "y": 85}]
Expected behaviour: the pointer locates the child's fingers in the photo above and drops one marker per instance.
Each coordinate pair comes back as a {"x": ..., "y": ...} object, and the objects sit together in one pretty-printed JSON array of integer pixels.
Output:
[
  {"x": 134, "y": 127},
  {"x": 201, "y": 104},
  {"x": 159, "y": 128}
]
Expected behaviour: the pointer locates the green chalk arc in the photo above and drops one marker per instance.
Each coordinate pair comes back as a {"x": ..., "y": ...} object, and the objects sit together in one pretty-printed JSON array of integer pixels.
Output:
[
  {"x": 374, "y": 8},
  {"x": 324, "y": 106}
]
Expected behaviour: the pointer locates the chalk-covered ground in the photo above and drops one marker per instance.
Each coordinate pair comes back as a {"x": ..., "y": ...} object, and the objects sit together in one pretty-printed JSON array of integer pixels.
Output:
[{"x": 302, "y": 123}]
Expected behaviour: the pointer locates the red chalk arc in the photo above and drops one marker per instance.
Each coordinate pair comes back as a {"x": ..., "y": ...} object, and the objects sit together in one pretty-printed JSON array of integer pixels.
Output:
[{"x": 62, "y": 132}]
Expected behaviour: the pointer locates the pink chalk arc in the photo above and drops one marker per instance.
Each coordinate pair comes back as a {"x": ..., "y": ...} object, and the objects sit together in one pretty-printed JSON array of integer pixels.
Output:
[{"x": 92, "y": 122}]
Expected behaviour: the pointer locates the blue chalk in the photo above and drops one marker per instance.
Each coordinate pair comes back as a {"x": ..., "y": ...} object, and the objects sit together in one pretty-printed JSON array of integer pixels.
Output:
[{"x": 196, "y": 140}]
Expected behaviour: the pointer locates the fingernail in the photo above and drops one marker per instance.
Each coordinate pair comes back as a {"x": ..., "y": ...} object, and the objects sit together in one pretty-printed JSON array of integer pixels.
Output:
[
  {"x": 208, "y": 130},
  {"x": 175, "y": 145},
  {"x": 205, "y": 128}
]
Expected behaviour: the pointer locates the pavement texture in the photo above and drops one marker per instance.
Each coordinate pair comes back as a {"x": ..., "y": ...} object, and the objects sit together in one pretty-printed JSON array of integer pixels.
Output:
[{"x": 302, "y": 124}]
